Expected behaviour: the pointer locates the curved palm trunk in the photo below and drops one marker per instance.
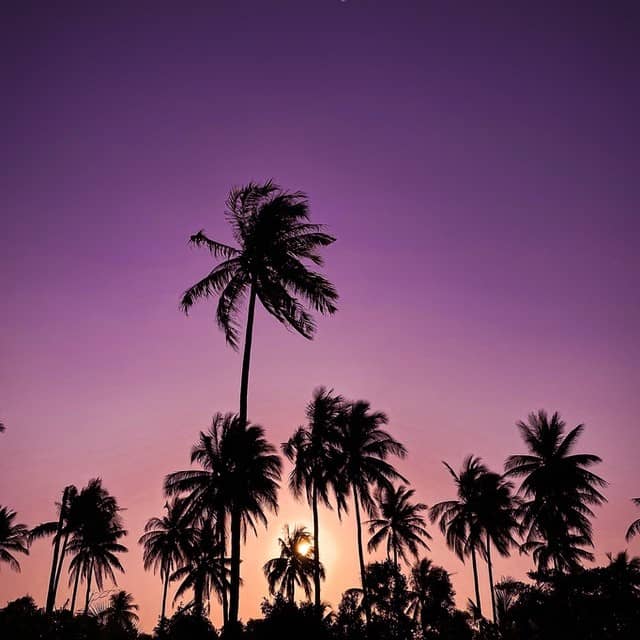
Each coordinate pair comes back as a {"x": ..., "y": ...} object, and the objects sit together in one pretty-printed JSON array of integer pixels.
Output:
[
  {"x": 87, "y": 597},
  {"x": 234, "y": 586},
  {"x": 490, "y": 567},
  {"x": 54, "y": 568},
  {"x": 475, "y": 579},
  {"x": 365, "y": 595},
  {"x": 63, "y": 553},
  {"x": 165, "y": 587},
  {"x": 316, "y": 554},
  {"x": 75, "y": 592},
  {"x": 223, "y": 554},
  {"x": 246, "y": 358}
]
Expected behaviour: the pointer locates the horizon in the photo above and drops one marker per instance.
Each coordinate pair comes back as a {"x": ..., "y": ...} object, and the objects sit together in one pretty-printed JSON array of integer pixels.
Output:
[{"x": 477, "y": 167}]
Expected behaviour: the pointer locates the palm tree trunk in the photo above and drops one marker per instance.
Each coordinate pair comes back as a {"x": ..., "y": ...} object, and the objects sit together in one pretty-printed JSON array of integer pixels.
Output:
[
  {"x": 365, "y": 596},
  {"x": 316, "y": 551},
  {"x": 234, "y": 587},
  {"x": 246, "y": 358},
  {"x": 475, "y": 579},
  {"x": 86, "y": 600},
  {"x": 164, "y": 595},
  {"x": 490, "y": 568},
  {"x": 223, "y": 554},
  {"x": 395, "y": 557},
  {"x": 54, "y": 566},
  {"x": 63, "y": 553},
  {"x": 75, "y": 592}
]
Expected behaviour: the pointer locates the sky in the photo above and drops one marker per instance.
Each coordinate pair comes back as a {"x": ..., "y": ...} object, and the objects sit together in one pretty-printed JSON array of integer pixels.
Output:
[{"x": 477, "y": 163}]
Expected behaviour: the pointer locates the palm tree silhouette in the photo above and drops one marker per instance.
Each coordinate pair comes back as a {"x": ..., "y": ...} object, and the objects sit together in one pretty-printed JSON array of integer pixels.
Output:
[
  {"x": 61, "y": 530},
  {"x": 239, "y": 477},
  {"x": 558, "y": 491},
  {"x": 275, "y": 238},
  {"x": 294, "y": 566},
  {"x": 94, "y": 542},
  {"x": 167, "y": 542},
  {"x": 14, "y": 538},
  {"x": 364, "y": 448},
  {"x": 458, "y": 519},
  {"x": 634, "y": 527},
  {"x": 399, "y": 522},
  {"x": 315, "y": 473},
  {"x": 120, "y": 612},
  {"x": 204, "y": 569}
]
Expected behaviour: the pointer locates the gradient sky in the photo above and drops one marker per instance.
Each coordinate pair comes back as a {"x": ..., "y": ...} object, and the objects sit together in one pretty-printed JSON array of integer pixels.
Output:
[{"x": 478, "y": 163}]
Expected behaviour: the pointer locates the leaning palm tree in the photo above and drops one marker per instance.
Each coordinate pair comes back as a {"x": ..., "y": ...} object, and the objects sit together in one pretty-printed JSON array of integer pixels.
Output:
[
  {"x": 399, "y": 524},
  {"x": 203, "y": 571},
  {"x": 120, "y": 612},
  {"x": 14, "y": 538},
  {"x": 294, "y": 566},
  {"x": 275, "y": 239},
  {"x": 167, "y": 541},
  {"x": 458, "y": 519},
  {"x": 634, "y": 527},
  {"x": 239, "y": 477},
  {"x": 558, "y": 491},
  {"x": 315, "y": 474},
  {"x": 364, "y": 449}
]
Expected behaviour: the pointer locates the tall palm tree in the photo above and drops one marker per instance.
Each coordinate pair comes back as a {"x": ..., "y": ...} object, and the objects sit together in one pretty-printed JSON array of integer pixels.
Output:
[
  {"x": 399, "y": 522},
  {"x": 558, "y": 491},
  {"x": 634, "y": 527},
  {"x": 14, "y": 538},
  {"x": 275, "y": 238},
  {"x": 294, "y": 566},
  {"x": 61, "y": 530},
  {"x": 94, "y": 543},
  {"x": 120, "y": 612},
  {"x": 313, "y": 451},
  {"x": 365, "y": 447},
  {"x": 458, "y": 519},
  {"x": 496, "y": 515},
  {"x": 240, "y": 476},
  {"x": 204, "y": 569},
  {"x": 167, "y": 542}
]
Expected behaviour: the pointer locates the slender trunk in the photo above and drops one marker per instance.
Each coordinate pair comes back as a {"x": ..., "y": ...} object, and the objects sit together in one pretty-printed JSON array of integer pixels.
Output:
[
  {"x": 234, "y": 596},
  {"x": 363, "y": 577},
  {"x": 165, "y": 587},
  {"x": 86, "y": 600},
  {"x": 63, "y": 553},
  {"x": 223, "y": 554},
  {"x": 51, "y": 592},
  {"x": 316, "y": 551},
  {"x": 395, "y": 557},
  {"x": 475, "y": 579},
  {"x": 246, "y": 358},
  {"x": 490, "y": 568},
  {"x": 75, "y": 592}
]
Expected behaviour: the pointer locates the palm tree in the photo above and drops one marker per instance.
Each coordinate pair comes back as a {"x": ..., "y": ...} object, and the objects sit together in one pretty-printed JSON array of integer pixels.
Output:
[
  {"x": 315, "y": 473},
  {"x": 275, "y": 238},
  {"x": 364, "y": 448},
  {"x": 14, "y": 538},
  {"x": 431, "y": 595},
  {"x": 61, "y": 529},
  {"x": 120, "y": 612},
  {"x": 294, "y": 566},
  {"x": 239, "y": 477},
  {"x": 399, "y": 522},
  {"x": 496, "y": 515},
  {"x": 634, "y": 527},
  {"x": 167, "y": 542},
  {"x": 558, "y": 491},
  {"x": 94, "y": 542},
  {"x": 458, "y": 519}
]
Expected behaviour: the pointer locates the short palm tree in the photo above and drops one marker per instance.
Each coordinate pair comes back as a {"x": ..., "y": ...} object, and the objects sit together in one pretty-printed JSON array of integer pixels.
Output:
[
  {"x": 364, "y": 449},
  {"x": 294, "y": 566},
  {"x": 399, "y": 524},
  {"x": 167, "y": 542},
  {"x": 204, "y": 569},
  {"x": 558, "y": 491},
  {"x": 458, "y": 519},
  {"x": 315, "y": 473},
  {"x": 634, "y": 527},
  {"x": 14, "y": 538},
  {"x": 240, "y": 476},
  {"x": 120, "y": 612}
]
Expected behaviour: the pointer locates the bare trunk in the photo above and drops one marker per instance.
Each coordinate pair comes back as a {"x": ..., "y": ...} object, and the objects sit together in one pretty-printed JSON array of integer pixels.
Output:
[
  {"x": 221, "y": 520},
  {"x": 363, "y": 576},
  {"x": 234, "y": 596},
  {"x": 490, "y": 568},
  {"x": 475, "y": 580},
  {"x": 246, "y": 358},
  {"x": 88, "y": 596},
  {"x": 316, "y": 552},
  {"x": 75, "y": 592},
  {"x": 164, "y": 595}
]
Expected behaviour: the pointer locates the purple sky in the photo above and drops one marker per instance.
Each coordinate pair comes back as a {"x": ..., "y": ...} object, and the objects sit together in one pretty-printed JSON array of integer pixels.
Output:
[{"x": 477, "y": 162}]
